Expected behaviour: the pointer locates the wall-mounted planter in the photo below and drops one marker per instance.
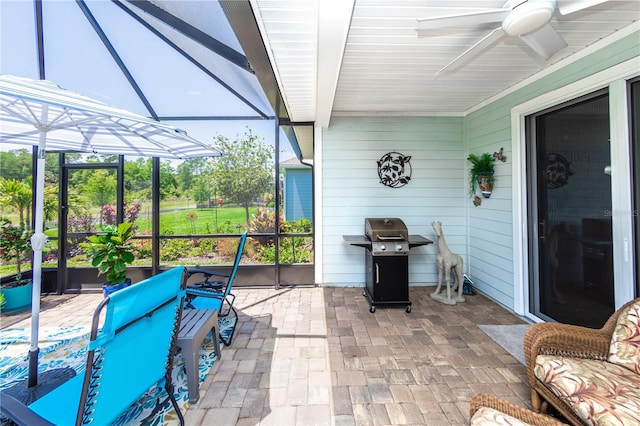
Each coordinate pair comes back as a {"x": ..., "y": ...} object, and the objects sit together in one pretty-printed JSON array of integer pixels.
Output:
[
  {"x": 481, "y": 175},
  {"x": 485, "y": 184}
]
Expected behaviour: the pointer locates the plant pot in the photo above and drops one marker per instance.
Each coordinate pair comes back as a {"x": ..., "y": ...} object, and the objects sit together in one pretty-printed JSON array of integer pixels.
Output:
[
  {"x": 110, "y": 289},
  {"x": 17, "y": 299},
  {"x": 485, "y": 183}
]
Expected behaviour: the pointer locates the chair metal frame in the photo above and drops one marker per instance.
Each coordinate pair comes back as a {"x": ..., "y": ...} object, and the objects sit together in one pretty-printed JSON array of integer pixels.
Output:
[
  {"x": 213, "y": 294},
  {"x": 128, "y": 356}
]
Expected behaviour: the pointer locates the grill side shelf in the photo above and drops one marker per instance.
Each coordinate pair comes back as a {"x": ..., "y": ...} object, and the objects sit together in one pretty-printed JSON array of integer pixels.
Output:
[
  {"x": 362, "y": 241},
  {"x": 357, "y": 240},
  {"x": 418, "y": 240}
]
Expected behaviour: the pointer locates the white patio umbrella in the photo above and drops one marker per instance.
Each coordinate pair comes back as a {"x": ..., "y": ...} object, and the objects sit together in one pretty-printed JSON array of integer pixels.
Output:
[{"x": 39, "y": 112}]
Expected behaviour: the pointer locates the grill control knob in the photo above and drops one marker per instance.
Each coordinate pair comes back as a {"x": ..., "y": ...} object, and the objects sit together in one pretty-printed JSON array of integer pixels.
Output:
[
  {"x": 383, "y": 247},
  {"x": 398, "y": 247}
]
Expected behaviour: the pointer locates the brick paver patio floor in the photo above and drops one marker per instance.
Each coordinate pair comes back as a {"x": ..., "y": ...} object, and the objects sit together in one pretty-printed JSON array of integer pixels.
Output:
[{"x": 317, "y": 356}]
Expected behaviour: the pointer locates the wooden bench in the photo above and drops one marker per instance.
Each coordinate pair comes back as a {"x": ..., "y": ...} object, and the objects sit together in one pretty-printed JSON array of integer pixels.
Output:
[{"x": 194, "y": 327}]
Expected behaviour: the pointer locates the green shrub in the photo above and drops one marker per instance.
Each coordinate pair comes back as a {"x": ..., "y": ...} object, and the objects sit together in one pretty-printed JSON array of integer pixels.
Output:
[
  {"x": 174, "y": 249},
  {"x": 142, "y": 249}
]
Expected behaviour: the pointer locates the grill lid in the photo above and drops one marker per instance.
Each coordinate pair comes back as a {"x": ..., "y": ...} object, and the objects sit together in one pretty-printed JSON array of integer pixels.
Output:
[{"x": 385, "y": 229}]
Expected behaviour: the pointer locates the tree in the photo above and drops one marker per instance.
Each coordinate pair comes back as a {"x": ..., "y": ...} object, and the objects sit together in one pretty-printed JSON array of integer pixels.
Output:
[
  {"x": 168, "y": 181},
  {"x": 201, "y": 190},
  {"x": 245, "y": 171},
  {"x": 17, "y": 194},
  {"x": 190, "y": 169},
  {"x": 101, "y": 187},
  {"x": 137, "y": 175},
  {"x": 50, "y": 204},
  {"x": 16, "y": 164}
]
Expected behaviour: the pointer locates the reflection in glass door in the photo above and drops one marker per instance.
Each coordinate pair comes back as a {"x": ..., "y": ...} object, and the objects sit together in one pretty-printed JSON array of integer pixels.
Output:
[{"x": 570, "y": 228}]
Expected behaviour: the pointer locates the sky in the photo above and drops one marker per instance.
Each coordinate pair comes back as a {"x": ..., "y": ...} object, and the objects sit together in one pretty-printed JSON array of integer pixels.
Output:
[{"x": 76, "y": 59}]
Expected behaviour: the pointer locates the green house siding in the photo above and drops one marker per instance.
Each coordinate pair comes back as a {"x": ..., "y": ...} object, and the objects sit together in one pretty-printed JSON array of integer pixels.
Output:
[
  {"x": 438, "y": 189},
  {"x": 352, "y": 190},
  {"x": 491, "y": 251}
]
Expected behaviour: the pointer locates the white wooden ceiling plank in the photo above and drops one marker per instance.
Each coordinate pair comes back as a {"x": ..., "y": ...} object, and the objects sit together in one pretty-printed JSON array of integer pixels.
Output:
[{"x": 383, "y": 65}]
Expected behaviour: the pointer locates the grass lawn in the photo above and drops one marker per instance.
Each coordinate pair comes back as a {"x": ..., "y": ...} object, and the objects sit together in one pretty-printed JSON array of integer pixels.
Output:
[{"x": 220, "y": 220}]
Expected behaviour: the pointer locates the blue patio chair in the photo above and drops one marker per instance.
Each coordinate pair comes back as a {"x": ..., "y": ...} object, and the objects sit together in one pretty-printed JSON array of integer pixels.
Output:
[
  {"x": 212, "y": 294},
  {"x": 131, "y": 354}
]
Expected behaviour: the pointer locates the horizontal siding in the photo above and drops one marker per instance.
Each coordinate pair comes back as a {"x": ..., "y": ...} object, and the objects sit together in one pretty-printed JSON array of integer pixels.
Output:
[
  {"x": 298, "y": 194},
  {"x": 487, "y": 130},
  {"x": 439, "y": 188},
  {"x": 352, "y": 190}
]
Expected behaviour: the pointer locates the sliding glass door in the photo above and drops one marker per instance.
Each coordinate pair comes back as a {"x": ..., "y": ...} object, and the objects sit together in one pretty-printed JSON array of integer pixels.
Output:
[{"x": 570, "y": 212}]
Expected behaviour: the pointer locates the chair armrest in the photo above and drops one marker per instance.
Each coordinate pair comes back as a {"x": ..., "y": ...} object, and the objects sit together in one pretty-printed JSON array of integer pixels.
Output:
[
  {"x": 204, "y": 292},
  {"x": 19, "y": 413},
  {"x": 513, "y": 410},
  {"x": 564, "y": 340},
  {"x": 216, "y": 285},
  {"x": 207, "y": 274}
]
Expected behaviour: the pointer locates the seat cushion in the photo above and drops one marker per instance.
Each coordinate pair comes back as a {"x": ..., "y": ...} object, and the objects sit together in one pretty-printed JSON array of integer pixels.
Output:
[
  {"x": 599, "y": 392},
  {"x": 625, "y": 342},
  {"x": 491, "y": 417}
]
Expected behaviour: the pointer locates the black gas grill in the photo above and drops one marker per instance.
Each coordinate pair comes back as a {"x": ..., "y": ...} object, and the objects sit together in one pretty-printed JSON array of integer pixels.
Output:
[
  {"x": 389, "y": 237},
  {"x": 387, "y": 243}
]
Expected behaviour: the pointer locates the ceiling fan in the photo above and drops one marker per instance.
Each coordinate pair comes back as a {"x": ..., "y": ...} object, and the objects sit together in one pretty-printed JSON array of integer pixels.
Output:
[{"x": 527, "y": 19}]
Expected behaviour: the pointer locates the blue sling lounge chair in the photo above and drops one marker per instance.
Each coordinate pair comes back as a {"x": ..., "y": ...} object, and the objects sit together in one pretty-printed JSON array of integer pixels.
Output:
[
  {"x": 212, "y": 294},
  {"x": 132, "y": 352}
]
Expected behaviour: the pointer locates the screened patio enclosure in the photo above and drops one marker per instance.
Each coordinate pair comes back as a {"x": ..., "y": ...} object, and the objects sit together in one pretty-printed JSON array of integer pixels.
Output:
[{"x": 179, "y": 63}]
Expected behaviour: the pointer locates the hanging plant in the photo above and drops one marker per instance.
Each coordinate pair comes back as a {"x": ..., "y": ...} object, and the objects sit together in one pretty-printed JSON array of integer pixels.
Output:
[{"x": 481, "y": 174}]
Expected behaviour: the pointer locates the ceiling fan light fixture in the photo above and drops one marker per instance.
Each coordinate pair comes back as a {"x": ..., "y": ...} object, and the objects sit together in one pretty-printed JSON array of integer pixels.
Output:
[{"x": 528, "y": 17}]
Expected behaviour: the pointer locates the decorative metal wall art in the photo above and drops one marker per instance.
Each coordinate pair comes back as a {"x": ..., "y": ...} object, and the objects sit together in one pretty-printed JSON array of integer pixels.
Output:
[
  {"x": 394, "y": 169},
  {"x": 500, "y": 156}
]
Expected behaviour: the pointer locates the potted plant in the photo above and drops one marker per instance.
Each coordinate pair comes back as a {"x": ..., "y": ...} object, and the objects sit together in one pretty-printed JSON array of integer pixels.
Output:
[
  {"x": 15, "y": 247},
  {"x": 481, "y": 173},
  {"x": 111, "y": 251}
]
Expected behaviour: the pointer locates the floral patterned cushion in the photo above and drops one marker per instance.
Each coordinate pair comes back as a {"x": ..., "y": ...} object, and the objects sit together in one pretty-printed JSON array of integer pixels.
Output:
[
  {"x": 625, "y": 342},
  {"x": 599, "y": 392},
  {"x": 490, "y": 417}
]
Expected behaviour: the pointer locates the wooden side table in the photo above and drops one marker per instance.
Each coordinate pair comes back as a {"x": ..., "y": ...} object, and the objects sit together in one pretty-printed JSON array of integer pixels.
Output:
[{"x": 194, "y": 327}]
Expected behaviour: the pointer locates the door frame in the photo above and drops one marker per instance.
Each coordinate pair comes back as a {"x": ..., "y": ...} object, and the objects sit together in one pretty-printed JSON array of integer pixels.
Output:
[
  {"x": 614, "y": 79},
  {"x": 63, "y": 210}
]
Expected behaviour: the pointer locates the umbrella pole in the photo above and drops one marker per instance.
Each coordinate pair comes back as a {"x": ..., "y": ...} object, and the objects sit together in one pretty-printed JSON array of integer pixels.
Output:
[
  {"x": 38, "y": 240},
  {"x": 34, "y": 387}
]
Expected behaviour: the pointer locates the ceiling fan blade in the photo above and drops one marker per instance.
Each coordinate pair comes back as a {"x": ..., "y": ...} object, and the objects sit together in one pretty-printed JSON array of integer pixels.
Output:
[
  {"x": 569, "y": 6},
  {"x": 545, "y": 42},
  {"x": 463, "y": 19},
  {"x": 474, "y": 50}
]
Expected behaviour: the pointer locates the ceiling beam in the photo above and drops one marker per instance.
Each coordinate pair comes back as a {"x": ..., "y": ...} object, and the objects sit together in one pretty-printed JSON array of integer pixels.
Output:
[
  {"x": 245, "y": 27},
  {"x": 334, "y": 19},
  {"x": 116, "y": 57},
  {"x": 189, "y": 57},
  {"x": 194, "y": 34}
]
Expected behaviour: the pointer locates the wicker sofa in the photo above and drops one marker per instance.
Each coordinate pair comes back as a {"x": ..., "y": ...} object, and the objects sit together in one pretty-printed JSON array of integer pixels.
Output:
[
  {"x": 488, "y": 409},
  {"x": 591, "y": 376}
]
